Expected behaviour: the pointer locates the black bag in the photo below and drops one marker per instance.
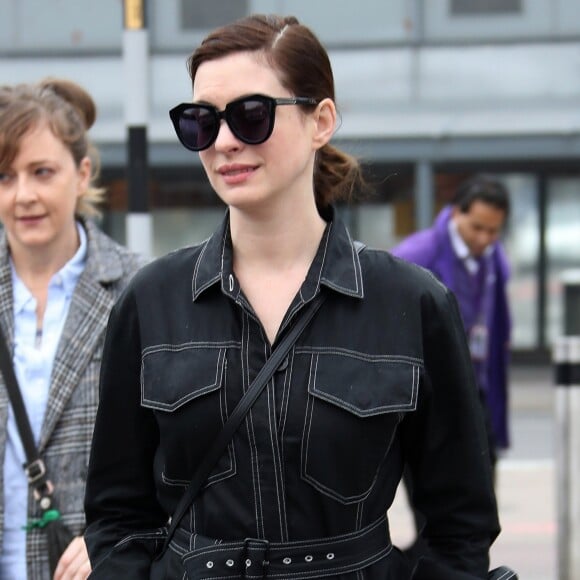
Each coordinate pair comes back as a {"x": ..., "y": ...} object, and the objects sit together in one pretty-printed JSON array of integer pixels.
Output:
[
  {"x": 59, "y": 536},
  {"x": 428, "y": 569},
  {"x": 502, "y": 573}
]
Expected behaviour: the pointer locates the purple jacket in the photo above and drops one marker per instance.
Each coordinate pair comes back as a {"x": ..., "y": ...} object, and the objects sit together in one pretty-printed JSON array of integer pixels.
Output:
[{"x": 432, "y": 249}]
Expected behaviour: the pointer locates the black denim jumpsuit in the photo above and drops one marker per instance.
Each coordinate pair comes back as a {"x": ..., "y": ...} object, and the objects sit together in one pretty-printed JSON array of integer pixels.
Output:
[{"x": 381, "y": 377}]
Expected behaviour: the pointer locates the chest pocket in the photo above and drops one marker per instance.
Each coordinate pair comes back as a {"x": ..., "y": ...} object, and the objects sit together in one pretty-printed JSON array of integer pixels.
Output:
[
  {"x": 355, "y": 403},
  {"x": 185, "y": 386}
]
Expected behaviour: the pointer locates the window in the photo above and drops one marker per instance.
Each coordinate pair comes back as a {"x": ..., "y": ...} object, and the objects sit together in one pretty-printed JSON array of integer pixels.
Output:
[
  {"x": 485, "y": 7},
  {"x": 522, "y": 244},
  {"x": 207, "y": 15},
  {"x": 562, "y": 245}
]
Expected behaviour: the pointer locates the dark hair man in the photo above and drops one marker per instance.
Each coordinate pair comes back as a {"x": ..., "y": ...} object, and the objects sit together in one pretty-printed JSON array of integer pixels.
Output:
[{"x": 463, "y": 250}]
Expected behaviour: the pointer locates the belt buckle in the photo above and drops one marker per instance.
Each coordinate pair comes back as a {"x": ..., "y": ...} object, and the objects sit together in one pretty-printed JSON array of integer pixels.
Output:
[{"x": 256, "y": 556}]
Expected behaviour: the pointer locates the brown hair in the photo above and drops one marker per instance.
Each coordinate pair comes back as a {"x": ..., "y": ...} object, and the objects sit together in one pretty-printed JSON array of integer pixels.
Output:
[
  {"x": 67, "y": 109},
  {"x": 303, "y": 67}
]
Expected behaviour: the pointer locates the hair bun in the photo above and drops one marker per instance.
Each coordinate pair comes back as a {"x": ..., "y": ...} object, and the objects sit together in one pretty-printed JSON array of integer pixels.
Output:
[{"x": 75, "y": 95}]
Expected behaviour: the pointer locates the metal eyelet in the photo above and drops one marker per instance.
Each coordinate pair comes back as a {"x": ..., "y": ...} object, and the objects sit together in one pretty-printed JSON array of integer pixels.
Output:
[
  {"x": 229, "y": 563},
  {"x": 248, "y": 563},
  {"x": 209, "y": 564},
  {"x": 287, "y": 560},
  {"x": 330, "y": 556},
  {"x": 308, "y": 558},
  {"x": 231, "y": 281}
]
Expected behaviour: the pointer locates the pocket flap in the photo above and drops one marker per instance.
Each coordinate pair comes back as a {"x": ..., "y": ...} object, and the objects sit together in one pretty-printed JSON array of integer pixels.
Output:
[
  {"x": 174, "y": 375},
  {"x": 366, "y": 385}
]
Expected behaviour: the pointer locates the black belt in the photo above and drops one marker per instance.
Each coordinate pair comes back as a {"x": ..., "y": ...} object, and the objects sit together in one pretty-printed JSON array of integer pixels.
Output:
[{"x": 255, "y": 558}]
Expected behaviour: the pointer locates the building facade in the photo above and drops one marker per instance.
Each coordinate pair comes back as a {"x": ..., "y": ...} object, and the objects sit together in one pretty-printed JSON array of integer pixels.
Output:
[{"x": 429, "y": 92}]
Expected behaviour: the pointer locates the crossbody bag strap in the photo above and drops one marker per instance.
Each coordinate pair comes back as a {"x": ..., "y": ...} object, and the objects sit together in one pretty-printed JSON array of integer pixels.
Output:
[
  {"x": 241, "y": 410},
  {"x": 34, "y": 466}
]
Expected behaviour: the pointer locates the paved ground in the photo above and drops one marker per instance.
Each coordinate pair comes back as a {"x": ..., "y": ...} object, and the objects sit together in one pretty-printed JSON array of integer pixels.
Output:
[{"x": 526, "y": 483}]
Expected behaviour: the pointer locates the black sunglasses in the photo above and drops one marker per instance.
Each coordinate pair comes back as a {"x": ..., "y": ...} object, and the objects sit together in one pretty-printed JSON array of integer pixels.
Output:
[{"x": 250, "y": 119}]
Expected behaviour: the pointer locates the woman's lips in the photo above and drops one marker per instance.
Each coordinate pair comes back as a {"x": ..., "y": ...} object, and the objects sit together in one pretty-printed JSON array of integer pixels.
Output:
[
  {"x": 30, "y": 219},
  {"x": 233, "y": 174}
]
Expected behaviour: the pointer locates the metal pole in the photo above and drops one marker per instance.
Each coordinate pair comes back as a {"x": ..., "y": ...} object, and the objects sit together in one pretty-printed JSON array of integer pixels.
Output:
[
  {"x": 567, "y": 365},
  {"x": 417, "y": 21},
  {"x": 136, "y": 60},
  {"x": 562, "y": 381},
  {"x": 571, "y": 287},
  {"x": 424, "y": 194},
  {"x": 574, "y": 457}
]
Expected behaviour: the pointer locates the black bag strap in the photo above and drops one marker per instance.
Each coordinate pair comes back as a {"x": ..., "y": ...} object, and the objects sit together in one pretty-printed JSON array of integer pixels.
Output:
[
  {"x": 241, "y": 410},
  {"x": 34, "y": 466}
]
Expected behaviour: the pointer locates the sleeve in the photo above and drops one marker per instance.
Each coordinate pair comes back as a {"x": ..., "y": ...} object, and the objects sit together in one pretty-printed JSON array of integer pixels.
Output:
[
  {"x": 418, "y": 248},
  {"x": 446, "y": 450},
  {"x": 120, "y": 498}
]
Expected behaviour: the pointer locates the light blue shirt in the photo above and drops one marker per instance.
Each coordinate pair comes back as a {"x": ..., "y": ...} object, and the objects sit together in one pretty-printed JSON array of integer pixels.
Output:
[{"x": 33, "y": 361}]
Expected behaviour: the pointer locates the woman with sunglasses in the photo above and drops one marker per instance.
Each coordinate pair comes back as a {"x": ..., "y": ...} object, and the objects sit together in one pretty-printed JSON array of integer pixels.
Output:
[
  {"x": 380, "y": 377},
  {"x": 59, "y": 277}
]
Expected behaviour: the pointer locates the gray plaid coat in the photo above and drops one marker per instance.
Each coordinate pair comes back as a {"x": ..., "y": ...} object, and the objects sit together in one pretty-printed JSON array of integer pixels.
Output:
[{"x": 72, "y": 403}]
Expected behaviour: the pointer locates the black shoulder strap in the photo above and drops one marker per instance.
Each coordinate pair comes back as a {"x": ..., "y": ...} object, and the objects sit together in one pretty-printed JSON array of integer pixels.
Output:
[
  {"x": 241, "y": 410},
  {"x": 34, "y": 467}
]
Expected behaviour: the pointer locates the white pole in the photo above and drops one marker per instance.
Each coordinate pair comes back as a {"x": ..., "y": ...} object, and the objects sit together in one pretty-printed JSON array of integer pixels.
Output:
[
  {"x": 574, "y": 456},
  {"x": 566, "y": 358},
  {"x": 136, "y": 66},
  {"x": 562, "y": 441}
]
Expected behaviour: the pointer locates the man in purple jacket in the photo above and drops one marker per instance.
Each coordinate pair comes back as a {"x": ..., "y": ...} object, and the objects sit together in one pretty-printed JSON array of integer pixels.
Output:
[{"x": 462, "y": 249}]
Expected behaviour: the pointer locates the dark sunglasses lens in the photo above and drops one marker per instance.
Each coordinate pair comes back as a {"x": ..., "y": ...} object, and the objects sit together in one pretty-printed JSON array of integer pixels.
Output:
[
  {"x": 251, "y": 120},
  {"x": 198, "y": 127}
]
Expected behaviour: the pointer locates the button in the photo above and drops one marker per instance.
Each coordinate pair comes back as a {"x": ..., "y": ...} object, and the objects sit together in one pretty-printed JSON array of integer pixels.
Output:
[
  {"x": 283, "y": 365},
  {"x": 229, "y": 563},
  {"x": 330, "y": 556},
  {"x": 308, "y": 558},
  {"x": 209, "y": 564},
  {"x": 287, "y": 560}
]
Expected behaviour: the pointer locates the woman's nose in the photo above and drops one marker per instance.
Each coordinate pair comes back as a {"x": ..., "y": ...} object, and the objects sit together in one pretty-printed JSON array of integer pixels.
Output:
[
  {"x": 24, "y": 190},
  {"x": 226, "y": 140}
]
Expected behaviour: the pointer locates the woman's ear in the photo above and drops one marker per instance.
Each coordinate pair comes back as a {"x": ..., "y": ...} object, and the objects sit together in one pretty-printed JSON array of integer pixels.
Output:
[
  {"x": 325, "y": 123},
  {"x": 84, "y": 176}
]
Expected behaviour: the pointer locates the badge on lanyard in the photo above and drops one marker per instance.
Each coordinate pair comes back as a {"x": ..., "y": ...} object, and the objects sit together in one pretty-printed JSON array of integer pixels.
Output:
[{"x": 478, "y": 342}]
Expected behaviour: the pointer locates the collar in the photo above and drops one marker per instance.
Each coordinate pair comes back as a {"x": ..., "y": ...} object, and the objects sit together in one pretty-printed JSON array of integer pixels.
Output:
[
  {"x": 459, "y": 246},
  {"x": 336, "y": 264},
  {"x": 67, "y": 277},
  {"x": 462, "y": 250}
]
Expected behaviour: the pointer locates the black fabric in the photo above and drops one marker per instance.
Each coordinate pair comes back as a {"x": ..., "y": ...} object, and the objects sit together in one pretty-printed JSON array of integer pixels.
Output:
[
  {"x": 138, "y": 557},
  {"x": 502, "y": 573},
  {"x": 24, "y": 429},
  {"x": 220, "y": 443},
  {"x": 428, "y": 569},
  {"x": 328, "y": 557},
  {"x": 380, "y": 378},
  {"x": 58, "y": 537},
  {"x": 419, "y": 547}
]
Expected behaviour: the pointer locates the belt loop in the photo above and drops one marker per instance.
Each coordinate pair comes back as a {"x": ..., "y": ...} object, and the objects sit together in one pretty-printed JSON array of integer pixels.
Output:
[{"x": 256, "y": 558}]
